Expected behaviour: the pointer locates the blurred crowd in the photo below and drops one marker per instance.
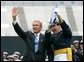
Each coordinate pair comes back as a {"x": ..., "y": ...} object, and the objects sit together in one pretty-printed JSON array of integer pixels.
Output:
[
  {"x": 77, "y": 53},
  {"x": 77, "y": 50},
  {"x": 16, "y": 56}
]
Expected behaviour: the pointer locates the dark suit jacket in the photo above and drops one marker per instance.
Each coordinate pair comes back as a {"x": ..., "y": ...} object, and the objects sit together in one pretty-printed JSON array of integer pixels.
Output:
[{"x": 28, "y": 37}]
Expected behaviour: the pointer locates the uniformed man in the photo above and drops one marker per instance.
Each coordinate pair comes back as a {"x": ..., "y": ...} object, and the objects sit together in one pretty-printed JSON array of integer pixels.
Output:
[{"x": 60, "y": 39}]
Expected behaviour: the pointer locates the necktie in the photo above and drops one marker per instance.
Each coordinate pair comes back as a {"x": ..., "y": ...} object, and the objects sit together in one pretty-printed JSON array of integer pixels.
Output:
[{"x": 36, "y": 43}]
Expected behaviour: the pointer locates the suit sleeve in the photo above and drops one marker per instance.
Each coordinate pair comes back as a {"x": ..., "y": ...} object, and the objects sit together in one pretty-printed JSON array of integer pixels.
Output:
[
  {"x": 19, "y": 31},
  {"x": 66, "y": 30},
  {"x": 48, "y": 40},
  {"x": 48, "y": 46}
]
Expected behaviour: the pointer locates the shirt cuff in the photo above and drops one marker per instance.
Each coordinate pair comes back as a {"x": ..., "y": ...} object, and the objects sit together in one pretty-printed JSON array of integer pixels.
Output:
[{"x": 14, "y": 22}]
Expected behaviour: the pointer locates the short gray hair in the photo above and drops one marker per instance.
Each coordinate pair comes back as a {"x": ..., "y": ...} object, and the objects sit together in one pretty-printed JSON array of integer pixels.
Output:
[{"x": 39, "y": 22}]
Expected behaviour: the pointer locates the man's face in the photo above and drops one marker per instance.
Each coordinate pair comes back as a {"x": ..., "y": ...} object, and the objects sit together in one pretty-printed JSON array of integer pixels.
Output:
[
  {"x": 76, "y": 45},
  {"x": 81, "y": 46},
  {"x": 36, "y": 27},
  {"x": 56, "y": 28}
]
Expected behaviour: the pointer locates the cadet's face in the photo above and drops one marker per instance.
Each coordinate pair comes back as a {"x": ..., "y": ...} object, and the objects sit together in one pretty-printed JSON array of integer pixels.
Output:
[
  {"x": 76, "y": 45},
  {"x": 56, "y": 28},
  {"x": 36, "y": 27}
]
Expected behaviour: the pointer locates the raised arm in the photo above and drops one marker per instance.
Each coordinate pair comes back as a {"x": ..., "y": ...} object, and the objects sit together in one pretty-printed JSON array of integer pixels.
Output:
[
  {"x": 66, "y": 29},
  {"x": 16, "y": 26}
]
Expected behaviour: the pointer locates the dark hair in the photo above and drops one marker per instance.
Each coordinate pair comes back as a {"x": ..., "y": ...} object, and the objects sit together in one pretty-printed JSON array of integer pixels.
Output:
[
  {"x": 55, "y": 24},
  {"x": 81, "y": 43}
]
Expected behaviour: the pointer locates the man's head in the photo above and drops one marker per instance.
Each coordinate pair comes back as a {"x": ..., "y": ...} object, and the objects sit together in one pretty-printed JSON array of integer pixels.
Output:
[
  {"x": 16, "y": 56},
  {"x": 56, "y": 27},
  {"x": 36, "y": 26},
  {"x": 17, "y": 53},
  {"x": 5, "y": 54},
  {"x": 76, "y": 43}
]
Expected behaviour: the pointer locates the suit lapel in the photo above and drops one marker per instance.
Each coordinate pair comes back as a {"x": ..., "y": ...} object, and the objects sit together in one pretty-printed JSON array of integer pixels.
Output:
[
  {"x": 40, "y": 40},
  {"x": 33, "y": 44}
]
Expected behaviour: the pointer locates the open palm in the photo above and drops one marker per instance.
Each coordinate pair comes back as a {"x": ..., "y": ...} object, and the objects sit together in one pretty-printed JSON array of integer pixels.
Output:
[{"x": 14, "y": 12}]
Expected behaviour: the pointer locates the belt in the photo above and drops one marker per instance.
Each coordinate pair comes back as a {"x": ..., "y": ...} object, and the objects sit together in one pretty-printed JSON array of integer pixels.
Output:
[{"x": 65, "y": 50}]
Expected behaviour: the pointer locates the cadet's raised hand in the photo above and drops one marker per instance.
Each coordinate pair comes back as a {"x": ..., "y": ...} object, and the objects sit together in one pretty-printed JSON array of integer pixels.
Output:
[{"x": 60, "y": 18}]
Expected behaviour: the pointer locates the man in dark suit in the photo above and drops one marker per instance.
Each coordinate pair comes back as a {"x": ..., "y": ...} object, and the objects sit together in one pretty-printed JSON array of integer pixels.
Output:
[{"x": 35, "y": 41}]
